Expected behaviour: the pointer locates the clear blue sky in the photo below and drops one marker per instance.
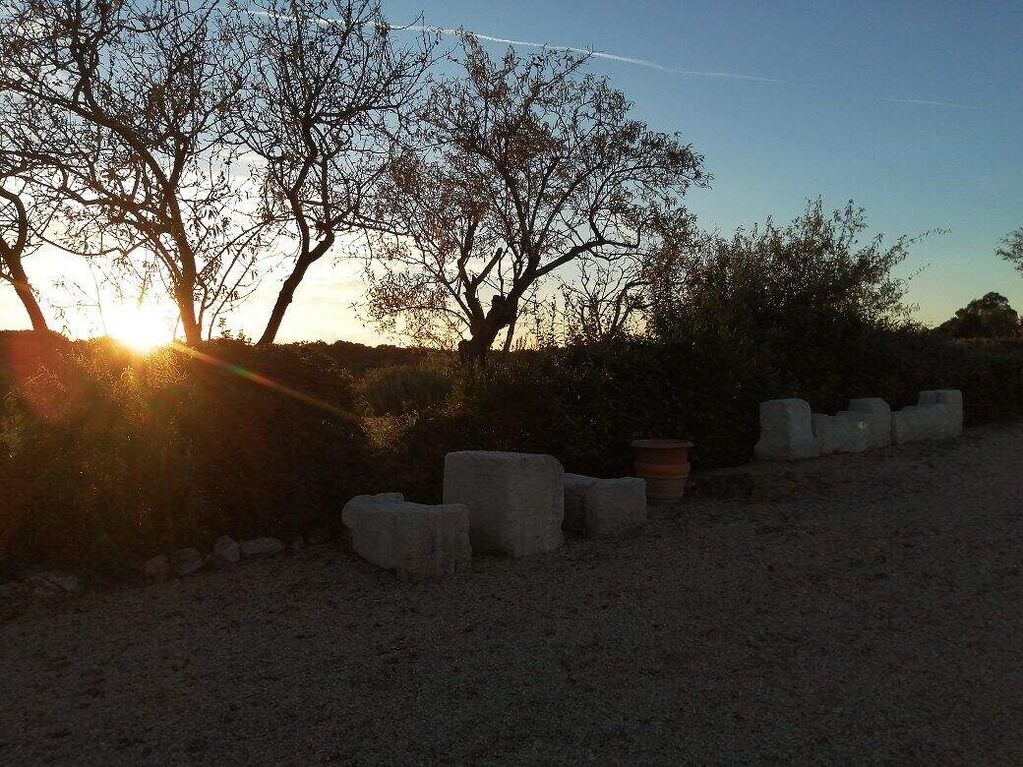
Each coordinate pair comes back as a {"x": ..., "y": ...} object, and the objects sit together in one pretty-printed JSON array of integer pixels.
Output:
[
  {"x": 914, "y": 110},
  {"x": 841, "y": 124}
]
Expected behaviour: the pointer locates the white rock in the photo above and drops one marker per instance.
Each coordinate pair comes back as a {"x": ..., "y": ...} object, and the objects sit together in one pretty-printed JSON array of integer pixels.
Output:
[
  {"x": 515, "y": 500},
  {"x": 604, "y": 508},
  {"x": 856, "y": 432},
  {"x": 416, "y": 540},
  {"x": 261, "y": 547},
  {"x": 360, "y": 502},
  {"x": 842, "y": 433},
  {"x": 158, "y": 567},
  {"x": 226, "y": 551},
  {"x": 878, "y": 414},
  {"x": 920, "y": 422},
  {"x": 188, "y": 561},
  {"x": 952, "y": 399},
  {"x": 786, "y": 431},
  {"x": 575, "y": 501}
]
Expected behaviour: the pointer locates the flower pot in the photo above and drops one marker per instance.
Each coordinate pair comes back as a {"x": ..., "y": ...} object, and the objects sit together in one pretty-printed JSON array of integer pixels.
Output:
[{"x": 664, "y": 464}]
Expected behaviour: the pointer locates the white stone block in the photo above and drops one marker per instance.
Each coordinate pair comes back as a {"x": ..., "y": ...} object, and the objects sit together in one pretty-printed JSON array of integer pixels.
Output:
[
  {"x": 858, "y": 432},
  {"x": 920, "y": 422},
  {"x": 878, "y": 414},
  {"x": 416, "y": 540},
  {"x": 786, "y": 431},
  {"x": 360, "y": 502},
  {"x": 516, "y": 500},
  {"x": 604, "y": 508},
  {"x": 952, "y": 399},
  {"x": 842, "y": 433}
]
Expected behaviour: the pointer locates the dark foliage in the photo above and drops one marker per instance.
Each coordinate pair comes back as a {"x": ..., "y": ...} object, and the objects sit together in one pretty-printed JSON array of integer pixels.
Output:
[
  {"x": 108, "y": 458},
  {"x": 990, "y": 316}
]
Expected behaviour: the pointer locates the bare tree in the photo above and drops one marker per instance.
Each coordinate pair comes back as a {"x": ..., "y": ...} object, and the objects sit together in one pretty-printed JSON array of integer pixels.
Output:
[
  {"x": 605, "y": 302},
  {"x": 522, "y": 166},
  {"x": 19, "y": 220},
  {"x": 328, "y": 97},
  {"x": 130, "y": 103}
]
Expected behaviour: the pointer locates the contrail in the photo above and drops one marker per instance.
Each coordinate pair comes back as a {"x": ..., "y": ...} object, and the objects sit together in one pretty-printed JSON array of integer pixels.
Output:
[
  {"x": 596, "y": 54},
  {"x": 646, "y": 63},
  {"x": 926, "y": 103}
]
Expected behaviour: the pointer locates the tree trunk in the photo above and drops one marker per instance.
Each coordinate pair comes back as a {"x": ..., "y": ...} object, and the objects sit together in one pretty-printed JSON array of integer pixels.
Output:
[
  {"x": 186, "y": 310},
  {"x": 307, "y": 257},
  {"x": 284, "y": 299},
  {"x": 473, "y": 352},
  {"x": 28, "y": 298},
  {"x": 482, "y": 334}
]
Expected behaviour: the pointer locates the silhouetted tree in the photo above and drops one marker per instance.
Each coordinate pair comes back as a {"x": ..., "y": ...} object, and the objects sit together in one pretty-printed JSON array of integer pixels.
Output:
[
  {"x": 18, "y": 225},
  {"x": 523, "y": 166},
  {"x": 1011, "y": 249},
  {"x": 990, "y": 316},
  {"x": 810, "y": 278},
  {"x": 330, "y": 93},
  {"x": 130, "y": 101}
]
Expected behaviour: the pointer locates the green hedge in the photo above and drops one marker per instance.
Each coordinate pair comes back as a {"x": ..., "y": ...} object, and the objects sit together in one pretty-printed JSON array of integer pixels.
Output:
[{"x": 107, "y": 458}]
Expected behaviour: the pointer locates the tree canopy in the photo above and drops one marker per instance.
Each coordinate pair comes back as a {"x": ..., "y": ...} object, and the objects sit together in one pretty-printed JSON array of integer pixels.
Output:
[
  {"x": 989, "y": 316},
  {"x": 522, "y": 166}
]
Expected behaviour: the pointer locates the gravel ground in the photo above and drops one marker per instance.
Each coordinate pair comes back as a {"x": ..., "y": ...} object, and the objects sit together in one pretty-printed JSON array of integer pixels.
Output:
[{"x": 874, "y": 617}]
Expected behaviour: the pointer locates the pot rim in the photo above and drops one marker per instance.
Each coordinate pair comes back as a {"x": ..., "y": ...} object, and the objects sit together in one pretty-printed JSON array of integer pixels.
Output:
[{"x": 661, "y": 444}]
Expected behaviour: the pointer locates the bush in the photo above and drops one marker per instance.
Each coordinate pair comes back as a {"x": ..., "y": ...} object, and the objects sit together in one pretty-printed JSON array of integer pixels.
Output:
[
  {"x": 107, "y": 458},
  {"x": 112, "y": 458},
  {"x": 404, "y": 389}
]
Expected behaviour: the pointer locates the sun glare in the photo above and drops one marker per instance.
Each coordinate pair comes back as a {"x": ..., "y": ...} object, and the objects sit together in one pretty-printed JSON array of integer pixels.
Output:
[{"x": 142, "y": 328}]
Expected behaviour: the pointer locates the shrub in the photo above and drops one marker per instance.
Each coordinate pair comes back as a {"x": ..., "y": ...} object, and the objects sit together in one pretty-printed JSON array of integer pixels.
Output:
[
  {"x": 112, "y": 458},
  {"x": 404, "y": 389},
  {"x": 107, "y": 458}
]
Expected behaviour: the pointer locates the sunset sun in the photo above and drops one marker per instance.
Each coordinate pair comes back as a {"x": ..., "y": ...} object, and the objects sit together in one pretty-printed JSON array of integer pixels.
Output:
[{"x": 142, "y": 328}]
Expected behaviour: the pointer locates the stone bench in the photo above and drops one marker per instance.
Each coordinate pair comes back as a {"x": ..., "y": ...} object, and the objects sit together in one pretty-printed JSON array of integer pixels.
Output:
[
  {"x": 417, "y": 541},
  {"x": 516, "y": 501},
  {"x": 604, "y": 508}
]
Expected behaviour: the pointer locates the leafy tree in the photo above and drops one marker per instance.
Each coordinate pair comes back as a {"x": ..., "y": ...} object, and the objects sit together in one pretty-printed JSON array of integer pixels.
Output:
[
  {"x": 522, "y": 167},
  {"x": 811, "y": 281},
  {"x": 990, "y": 316}
]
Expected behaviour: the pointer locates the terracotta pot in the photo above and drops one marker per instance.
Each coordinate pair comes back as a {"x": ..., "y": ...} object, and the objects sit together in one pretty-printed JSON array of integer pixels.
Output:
[{"x": 664, "y": 464}]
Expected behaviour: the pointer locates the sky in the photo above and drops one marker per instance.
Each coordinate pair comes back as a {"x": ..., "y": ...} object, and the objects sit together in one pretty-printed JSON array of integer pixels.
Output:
[{"x": 912, "y": 109}]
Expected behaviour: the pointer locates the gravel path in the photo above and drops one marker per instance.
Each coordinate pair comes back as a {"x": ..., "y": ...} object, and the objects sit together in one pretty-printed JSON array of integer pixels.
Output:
[{"x": 875, "y": 617}]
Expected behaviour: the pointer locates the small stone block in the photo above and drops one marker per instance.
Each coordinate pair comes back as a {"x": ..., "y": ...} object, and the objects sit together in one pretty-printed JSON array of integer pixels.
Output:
[
  {"x": 515, "y": 500},
  {"x": 786, "y": 431},
  {"x": 952, "y": 399},
  {"x": 842, "y": 433},
  {"x": 920, "y": 422},
  {"x": 876, "y": 412},
  {"x": 604, "y": 508},
  {"x": 417, "y": 541}
]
